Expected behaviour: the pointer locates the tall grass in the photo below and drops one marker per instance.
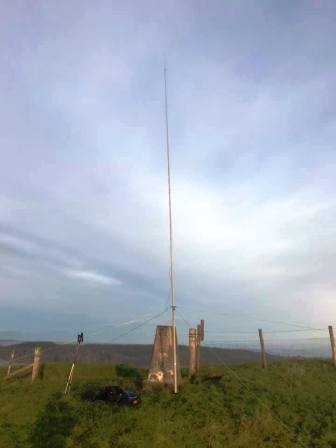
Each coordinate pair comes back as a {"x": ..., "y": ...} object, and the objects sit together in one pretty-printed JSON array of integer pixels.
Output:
[{"x": 291, "y": 404}]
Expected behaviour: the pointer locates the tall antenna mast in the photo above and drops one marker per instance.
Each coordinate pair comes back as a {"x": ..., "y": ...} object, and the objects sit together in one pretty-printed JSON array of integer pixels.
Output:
[{"x": 171, "y": 270}]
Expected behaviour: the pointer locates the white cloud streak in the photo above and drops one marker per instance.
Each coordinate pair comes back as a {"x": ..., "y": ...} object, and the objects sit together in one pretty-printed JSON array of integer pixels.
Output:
[
  {"x": 93, "y": 277},
  {"x": 252, "y": 120}
]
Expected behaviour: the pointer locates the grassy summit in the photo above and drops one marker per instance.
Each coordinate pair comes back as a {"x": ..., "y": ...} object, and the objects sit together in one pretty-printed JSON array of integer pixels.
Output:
[{"x": 292, "y": 404}]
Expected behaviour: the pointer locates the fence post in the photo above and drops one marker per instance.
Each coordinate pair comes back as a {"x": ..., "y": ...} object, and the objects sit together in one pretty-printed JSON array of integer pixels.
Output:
[
  {"x": 199, "y": 339},
  {"x": 262, "y": 349},
  {"x": 192, "y": 351},
  {"x": 198, "y": 343},
  {"x": 10, "y": 362},
  {"x": 36, "y": 363},
  {"x": 332, "y": 342},
  {"x": 202, "y": 330}
]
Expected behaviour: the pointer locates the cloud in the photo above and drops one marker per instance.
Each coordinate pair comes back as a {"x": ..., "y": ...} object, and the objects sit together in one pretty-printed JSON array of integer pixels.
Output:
[
  {"x": 83, "y": 170},
  {"x": 133, "y": 321},
  {"x": 15, "y": 243},
  {"x": 93, "y": 277}
]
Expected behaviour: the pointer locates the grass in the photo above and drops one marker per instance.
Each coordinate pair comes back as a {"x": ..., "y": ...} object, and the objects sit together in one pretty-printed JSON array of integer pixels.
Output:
[{"x": 291, "y": 404}]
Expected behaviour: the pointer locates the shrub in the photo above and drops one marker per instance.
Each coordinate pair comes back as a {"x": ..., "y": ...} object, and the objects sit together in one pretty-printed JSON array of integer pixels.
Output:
[
  {"x": 53, "y": 425},
  {"x": 125, "y": 371}
]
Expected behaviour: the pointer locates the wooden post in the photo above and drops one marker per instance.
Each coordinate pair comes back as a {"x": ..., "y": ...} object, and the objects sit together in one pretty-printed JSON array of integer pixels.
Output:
[
  {"x": 202, "y": 330},
  {"x": 199, "y": 339},
  {"x": 198, "y": 342},
  {"x": 36, "y": 363},
  {"x": 23, "y": 371},
  {"x": 192, "y": 351},
  {"x": 332, "y": 342},
  {"x": 262, "y": 349},
  {"x": 10, "y": 362}
]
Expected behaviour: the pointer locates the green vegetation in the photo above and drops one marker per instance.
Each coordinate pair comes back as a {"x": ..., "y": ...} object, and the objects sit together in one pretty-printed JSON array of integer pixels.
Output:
[{"x": 292, "y": 404}]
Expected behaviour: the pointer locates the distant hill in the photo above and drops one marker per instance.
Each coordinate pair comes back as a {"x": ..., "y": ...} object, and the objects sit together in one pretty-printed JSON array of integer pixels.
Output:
[
  {"x": 8, "y": 342},
  {"x": 132, "y": 354}
]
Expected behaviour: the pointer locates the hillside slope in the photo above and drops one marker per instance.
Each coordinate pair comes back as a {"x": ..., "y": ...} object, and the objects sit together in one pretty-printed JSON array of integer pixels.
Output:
[
  {"x": 133, "y": 354},
  {"x": 291, "y": 404}
]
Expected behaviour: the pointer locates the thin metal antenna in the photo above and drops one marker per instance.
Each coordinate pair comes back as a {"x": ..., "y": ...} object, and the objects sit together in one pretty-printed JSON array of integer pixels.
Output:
[{"x": 171, "y": 270}]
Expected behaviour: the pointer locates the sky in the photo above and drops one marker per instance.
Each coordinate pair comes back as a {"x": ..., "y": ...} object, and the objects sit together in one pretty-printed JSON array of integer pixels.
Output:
[{"x": 83, "y": 185}]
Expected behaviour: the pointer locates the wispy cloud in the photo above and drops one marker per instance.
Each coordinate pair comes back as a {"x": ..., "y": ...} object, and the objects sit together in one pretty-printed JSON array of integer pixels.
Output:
[
  {"x": 93, "y": 277},
  {"x": 12, "y": 242},
  {"x": 83, "y": 169}
]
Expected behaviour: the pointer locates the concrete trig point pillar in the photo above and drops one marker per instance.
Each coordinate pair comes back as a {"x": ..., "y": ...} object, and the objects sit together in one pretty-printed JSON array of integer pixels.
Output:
[
  {"x": 36, "y": 363},
  {"x": 162, "y": 365},
  {"x": 192, "y": 351}
]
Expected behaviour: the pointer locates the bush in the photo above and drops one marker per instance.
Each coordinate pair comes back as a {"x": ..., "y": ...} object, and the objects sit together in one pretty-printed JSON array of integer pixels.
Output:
[
  {"x": 125, "y": 371},
  {"x": 53, "y": 425}
]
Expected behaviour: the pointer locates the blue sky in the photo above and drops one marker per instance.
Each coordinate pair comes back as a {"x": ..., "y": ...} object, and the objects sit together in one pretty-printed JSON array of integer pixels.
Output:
[{"x": 83, "y": 198}]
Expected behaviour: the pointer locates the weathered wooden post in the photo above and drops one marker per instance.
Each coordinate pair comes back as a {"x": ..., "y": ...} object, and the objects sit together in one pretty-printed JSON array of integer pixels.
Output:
[
  {"x": 36, "y": 363},
  {"x": 10, "y": 362},
  {"x": 202, "y": 330},
  {"x": 192, "y": 351},
  {"x": 262, "y": 349},
  {"x": 198, "y": 343},
  {"x": 332, "y": 342},
  {"x": 199, "y": 339}
]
